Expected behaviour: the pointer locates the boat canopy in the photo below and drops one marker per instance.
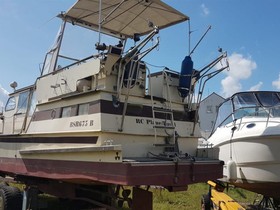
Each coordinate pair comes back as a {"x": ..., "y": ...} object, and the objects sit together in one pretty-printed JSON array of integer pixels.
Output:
[
  {"x": 255, "y": 99},
  {"x": 123, "y": 18},
  {"x": 253, "y": 103}
]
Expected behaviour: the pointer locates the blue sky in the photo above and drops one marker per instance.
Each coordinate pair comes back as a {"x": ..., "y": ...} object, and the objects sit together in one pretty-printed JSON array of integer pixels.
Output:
[{"x": 248, "y": 30}]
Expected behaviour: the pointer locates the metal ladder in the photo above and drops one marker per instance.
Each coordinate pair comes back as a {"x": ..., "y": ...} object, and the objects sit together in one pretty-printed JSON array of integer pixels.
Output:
[{"x": 170, "y": 144}]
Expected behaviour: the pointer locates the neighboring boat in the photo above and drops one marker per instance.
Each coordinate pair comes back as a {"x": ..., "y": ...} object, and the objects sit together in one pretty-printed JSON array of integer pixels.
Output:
[
  {"x": 105, "y": 119},
  {"x": 247, "y": 132}
]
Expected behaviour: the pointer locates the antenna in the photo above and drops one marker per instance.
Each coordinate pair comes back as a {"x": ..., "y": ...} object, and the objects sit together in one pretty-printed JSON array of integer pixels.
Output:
[
  {"x": 209, "y": 27},
  {"x": 99, "y": 21},
  {"x": 190, "y": 36}
]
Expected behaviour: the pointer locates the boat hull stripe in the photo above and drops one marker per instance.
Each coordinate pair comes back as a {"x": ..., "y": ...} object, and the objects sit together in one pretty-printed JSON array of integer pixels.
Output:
[
  {"x": 107, "y": 107},
  {"x": 56, "y": 140}
]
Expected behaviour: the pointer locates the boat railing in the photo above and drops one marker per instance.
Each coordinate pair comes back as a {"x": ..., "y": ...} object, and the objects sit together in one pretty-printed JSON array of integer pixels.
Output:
[
  {"x": 260, "y": 112},
  {"x": 77, "y": 61},
  {"x": 131, "y": 64},
  {"x": 265, "y": 114}
]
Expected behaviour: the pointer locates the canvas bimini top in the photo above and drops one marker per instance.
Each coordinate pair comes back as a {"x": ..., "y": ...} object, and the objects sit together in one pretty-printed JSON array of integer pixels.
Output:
[{"x": 123, "y": 18}]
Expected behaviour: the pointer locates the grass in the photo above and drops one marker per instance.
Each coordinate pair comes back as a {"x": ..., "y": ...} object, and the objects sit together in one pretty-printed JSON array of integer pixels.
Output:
[
  {"x": 165, "y": 200},
  {"x": 191, "y": 199}
]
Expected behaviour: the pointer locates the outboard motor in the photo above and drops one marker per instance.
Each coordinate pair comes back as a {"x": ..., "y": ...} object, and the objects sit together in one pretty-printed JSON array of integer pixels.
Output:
[{"x": 185, "y": 77}]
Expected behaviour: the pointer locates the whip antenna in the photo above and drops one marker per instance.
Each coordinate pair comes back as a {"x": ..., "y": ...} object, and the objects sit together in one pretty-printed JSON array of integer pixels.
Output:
[
  {"x": 99, "y": 21},
  {"x": 209, "y": 27},
  {"x": 189, "y": 36}
]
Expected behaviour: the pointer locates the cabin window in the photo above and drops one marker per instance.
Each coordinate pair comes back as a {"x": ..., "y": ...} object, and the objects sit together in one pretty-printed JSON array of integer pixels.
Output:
[
  {"x": 66, "y": 112},
  {"x": 22, "y": 102},
  {"x": 11, "y": 104},
  {"x": 83, "y": 109},
  {"x": 32, "y": 105}
]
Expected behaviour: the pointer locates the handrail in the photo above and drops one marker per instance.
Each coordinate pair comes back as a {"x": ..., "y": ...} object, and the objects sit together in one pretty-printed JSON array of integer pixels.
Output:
[
  {"x": 267, "y": 110},
  {"x": 168, "y": 95}
]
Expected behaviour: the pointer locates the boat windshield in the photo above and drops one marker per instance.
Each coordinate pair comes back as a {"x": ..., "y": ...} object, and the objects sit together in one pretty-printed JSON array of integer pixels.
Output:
[
  {"x": 224, "y": 114},
  {"x": 245, "y": 100},
  {"x": 257, "y": 104},
  {"x": 268, "y": 98}
]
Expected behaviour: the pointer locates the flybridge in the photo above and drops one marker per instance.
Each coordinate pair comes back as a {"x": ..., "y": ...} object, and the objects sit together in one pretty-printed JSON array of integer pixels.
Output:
[{"x": 121, "y": 19}]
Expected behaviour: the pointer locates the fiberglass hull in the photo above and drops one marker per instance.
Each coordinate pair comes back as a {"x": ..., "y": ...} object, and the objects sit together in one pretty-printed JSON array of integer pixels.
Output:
[{"x": 254, "y": 150}]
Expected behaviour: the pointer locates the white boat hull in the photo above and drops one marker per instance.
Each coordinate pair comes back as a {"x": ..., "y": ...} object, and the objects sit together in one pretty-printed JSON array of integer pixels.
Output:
[{"x": 255, "y": 154}]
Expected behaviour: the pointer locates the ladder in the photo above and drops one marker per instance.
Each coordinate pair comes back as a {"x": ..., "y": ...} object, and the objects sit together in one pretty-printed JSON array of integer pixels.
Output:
[{"x": 168, "y": 126}]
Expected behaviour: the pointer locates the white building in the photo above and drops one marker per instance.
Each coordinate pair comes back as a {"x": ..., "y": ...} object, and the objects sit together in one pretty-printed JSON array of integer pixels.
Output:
[{"x": 208, "y": 112}]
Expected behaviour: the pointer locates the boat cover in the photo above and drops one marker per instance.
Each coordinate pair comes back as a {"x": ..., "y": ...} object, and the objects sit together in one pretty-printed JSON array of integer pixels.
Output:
[{"x": 123, "y": 18}]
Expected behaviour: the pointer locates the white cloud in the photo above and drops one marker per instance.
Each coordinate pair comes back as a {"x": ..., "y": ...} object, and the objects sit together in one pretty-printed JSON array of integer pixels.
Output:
[
  {"x": 205, "y": 9},
  {"x": 240, "y": 69},
  {"x": 3, "y": 97},
  {"x": 276, "y": 83},
  {"x": 230, "y": 86},
  {"x": 256, "y": 87}
]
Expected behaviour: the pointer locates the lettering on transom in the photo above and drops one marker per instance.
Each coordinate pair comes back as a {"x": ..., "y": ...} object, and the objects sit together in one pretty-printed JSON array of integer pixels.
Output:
[{"x": 81, "y": 123}]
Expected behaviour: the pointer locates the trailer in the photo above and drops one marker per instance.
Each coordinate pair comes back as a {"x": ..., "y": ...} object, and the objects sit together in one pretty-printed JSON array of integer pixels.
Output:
[{"x": 218, "y": 199}]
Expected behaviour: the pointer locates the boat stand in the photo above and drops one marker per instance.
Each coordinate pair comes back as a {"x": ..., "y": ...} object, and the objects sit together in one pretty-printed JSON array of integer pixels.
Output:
[
  {"x": 30, "y": 198},
  {"x": 267, "y": 203}
]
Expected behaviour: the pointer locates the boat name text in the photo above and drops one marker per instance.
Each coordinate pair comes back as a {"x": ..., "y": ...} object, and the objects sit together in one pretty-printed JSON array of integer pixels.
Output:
[
  {"x": 152, "y": 122},
  {"x": 81, "y": 123}
]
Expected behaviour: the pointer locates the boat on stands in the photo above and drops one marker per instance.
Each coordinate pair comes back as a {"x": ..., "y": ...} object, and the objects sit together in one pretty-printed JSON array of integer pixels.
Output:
[
  {"x": 247, "y": 134},
  {"x": 106, "y": 119}
]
